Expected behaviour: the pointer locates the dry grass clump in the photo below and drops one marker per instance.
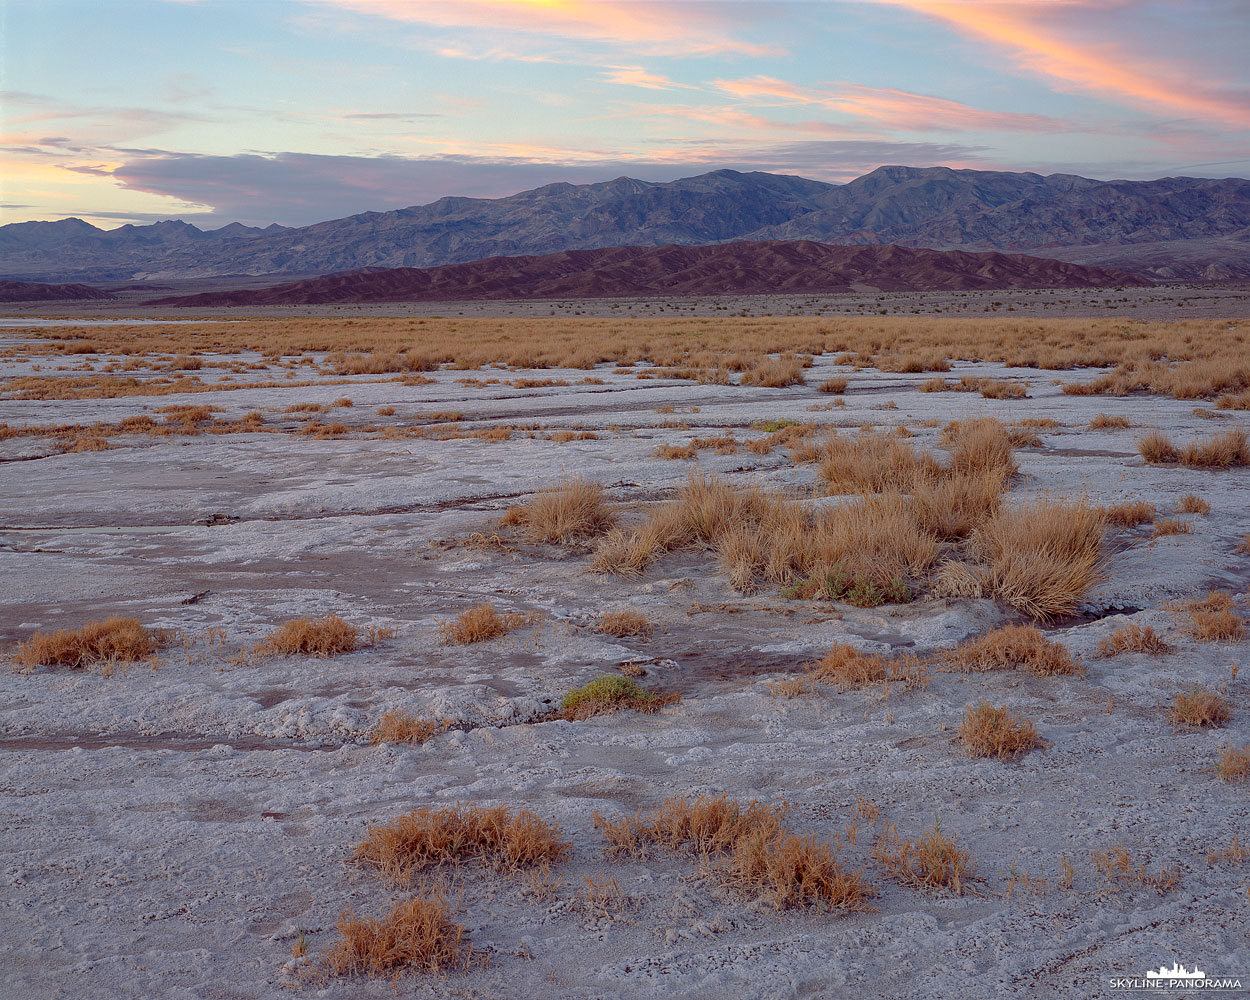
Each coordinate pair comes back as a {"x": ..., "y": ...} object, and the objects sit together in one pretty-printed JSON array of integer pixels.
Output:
[
  {"x": 1105, "y": 421},
  {"x": 1042, "y": 556},
  {"x": 481, "y": 623},
  {"x": 934, "y": 862},
  {"x": 1200, "y": 709},
  {"x": 1221, "y": 451},
  {"x": 1133, "y": 638},
  {"x": 675, "y": 452},
  {"x": 114, "y": 640},
  {"x": 760, "y": 535},
  {"x": 957, "y": 579},
  {"x": 611, "y": 693},
  {"x": 1120, "y": 871},
  {"x": 625, "y": 623},
  {"x": 1171, "y": 526},
  {"x": 987, "y": 731},
  {"x": 1191, "y": 503},
  {"x": 398, "y": 726},
  {"x": 872, "y": 462},
  {"x": 951, "y": 507},
  {"x": 835, "y": 386},
  {"x": 1009, "y": 647},
  {"x": 425, "y": 837},
  {"x": 982, "y": 445},
  {"x": 847, "y": 667},
  {"x": 328, "y": 636},
  {"x": 414, "y": 934},
  {"x": 1243, "y": 544},
  {"x": 1230, "y": 401},
  {"x": 1212, "y": 618},
  {"x": 1233, "y": 765},
  {"x": 776, "y": 373},
  {"x": 1130, "y": 514},
  {"x": 572, "y": 510},
  {"x": 763, "y": 858}
]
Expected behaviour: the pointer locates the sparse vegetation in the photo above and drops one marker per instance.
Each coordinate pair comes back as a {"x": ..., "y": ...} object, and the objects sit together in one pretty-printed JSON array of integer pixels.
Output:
[
  {"x": 847, "y": 667},
  {"x": 1221, "y": 451},
  {"x": 1133, "y": 638},
  {"x": 1130, "y": 514},
  {"x": 1120, "y": 871},
  {"x": 761, "y": 857},
  {"x": 108, "y": 642},
  {"x": 497, "y": 837},
  {"x": 572, "y": 510},
  {"x": 1191, "y": 503},
  {"x": 416, "y": 934},
  {"x": 327, "y": 636},
  {"x": 935, "y": 861},
  {"x": 397, "y": 726},
  {"x": 1199, "y": 709},
  {"x": 481, "y": 623},
  {"x": 1009, "y": 647},
  {"x": 1106, "y": 421},
  {"x": 611, "y": 693},
  {"x": 624, "y": 623},
  {"x": 987, "y": 731},
  {"x": 1233, "y": 765},
  {"x": 1171, "y": 526},
  {"x": 1212, "y": 618}
]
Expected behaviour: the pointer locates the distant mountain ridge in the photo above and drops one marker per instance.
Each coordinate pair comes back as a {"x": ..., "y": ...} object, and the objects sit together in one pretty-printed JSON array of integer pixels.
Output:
[
  {"x": 719, "y": 269},
  {"x": 1062, "y": 215}
]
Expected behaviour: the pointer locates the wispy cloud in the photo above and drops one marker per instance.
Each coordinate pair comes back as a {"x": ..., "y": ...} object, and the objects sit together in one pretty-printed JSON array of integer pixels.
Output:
[
  {"x": 894, "y": 109},
  {"x": 636, "y": 76},
  {"x": 1061, "y": 40},
  {"x": 690, "y": 29}
]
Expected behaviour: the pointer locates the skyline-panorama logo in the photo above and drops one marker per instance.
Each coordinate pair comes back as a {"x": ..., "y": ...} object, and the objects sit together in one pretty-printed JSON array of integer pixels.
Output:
[{"x": 1178, "y": 977}]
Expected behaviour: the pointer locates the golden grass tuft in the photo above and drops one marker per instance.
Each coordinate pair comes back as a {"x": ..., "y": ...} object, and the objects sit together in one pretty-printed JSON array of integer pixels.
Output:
[
  {"x": 763, "y": 859},
  {"x": 1009, "y": 647},
  {"x": 1199, "y": 709},
  {"x": 1130, "y": 514},
  {"x": 398, "y": 726},
  {"x": 415, "y": 934},
  {"x": 611, "y": 693},
  {"x": 328, "y": 636},
  {"x": 426, "y": 837},
  {"x": 1221, "y": 451},
  {"x": 1212, "y": 618},
  {"x": 987, "y": 731},
  {"x": 480, "y": 623},
  {"x": 624, "y": 623},
  {"x": 1171, "y": 526},
  {"x": 835, "y": 386},
  {"x": 1133, "y": 638},
  {"x": 572, "y": 510},
  {"x": 847, "y": 667},
  {"x": 1233, "y": 765},
  {"x": 1121, "y": 871},
  {"x": 1042, "y": 556},
  {"x": 113, "y": 640},
  {"x": 1191, "y": 503},
  {"x": 934, "y": 862},
  {"x": 776, "y": 373},
  {"x": 1106, "y": 421}
]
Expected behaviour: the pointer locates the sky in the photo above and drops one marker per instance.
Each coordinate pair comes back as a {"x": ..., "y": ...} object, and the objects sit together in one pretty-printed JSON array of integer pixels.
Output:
[{"x": 297, "y": 111}]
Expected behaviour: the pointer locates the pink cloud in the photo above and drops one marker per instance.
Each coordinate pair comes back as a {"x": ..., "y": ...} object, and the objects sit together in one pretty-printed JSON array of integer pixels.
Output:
[{"x": 896, "y": 109}]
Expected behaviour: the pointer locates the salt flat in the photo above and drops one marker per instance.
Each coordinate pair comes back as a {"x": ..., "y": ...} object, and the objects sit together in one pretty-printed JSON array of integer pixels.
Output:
[{"x": 172, "y": 831}]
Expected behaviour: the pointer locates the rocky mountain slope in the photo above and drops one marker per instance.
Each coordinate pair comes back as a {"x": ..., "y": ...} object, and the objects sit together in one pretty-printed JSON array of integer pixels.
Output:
[
  {"x": 729, "y": 268},
  {"x": 1128, "y": 225},
  {"x": 27, "y": 291}
]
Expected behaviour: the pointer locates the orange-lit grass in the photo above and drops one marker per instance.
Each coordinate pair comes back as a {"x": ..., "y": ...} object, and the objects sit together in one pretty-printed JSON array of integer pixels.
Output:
[
  {"x": 480, "y": 623},
  {"x": 1121, "y": 871},
  {"x": 1009, "y": 647},
  {"x": 572, "y": 510},
  {"x": 328, "y": 636},
  {"x": 935, "y": 861},
  {"x": 760, "y": 857},
  {"x": 625, "y": 622},
  {"x": 1233, "y": 765},
  {"x": 1212, "y": 618},
  {"x": 415, "y": 934},
  {"x": 113, "y": 640},
  {"x": 423, "y": 838},
  {"x": 1199, "y": 709},
  {"x": 987, "y": 731},
  {"x": 1133, "y": 638},
  {"x": 397, "y": 726}
]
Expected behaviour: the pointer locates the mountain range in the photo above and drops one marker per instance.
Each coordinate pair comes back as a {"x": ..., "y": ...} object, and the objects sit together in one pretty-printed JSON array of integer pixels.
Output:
[
  {"x": 1175, "y": 228},
  {"x": 755, "y": 268}
]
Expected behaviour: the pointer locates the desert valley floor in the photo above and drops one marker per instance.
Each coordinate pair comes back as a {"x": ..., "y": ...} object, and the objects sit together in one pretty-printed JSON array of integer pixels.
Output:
[{"x": 185, "y": 828}]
